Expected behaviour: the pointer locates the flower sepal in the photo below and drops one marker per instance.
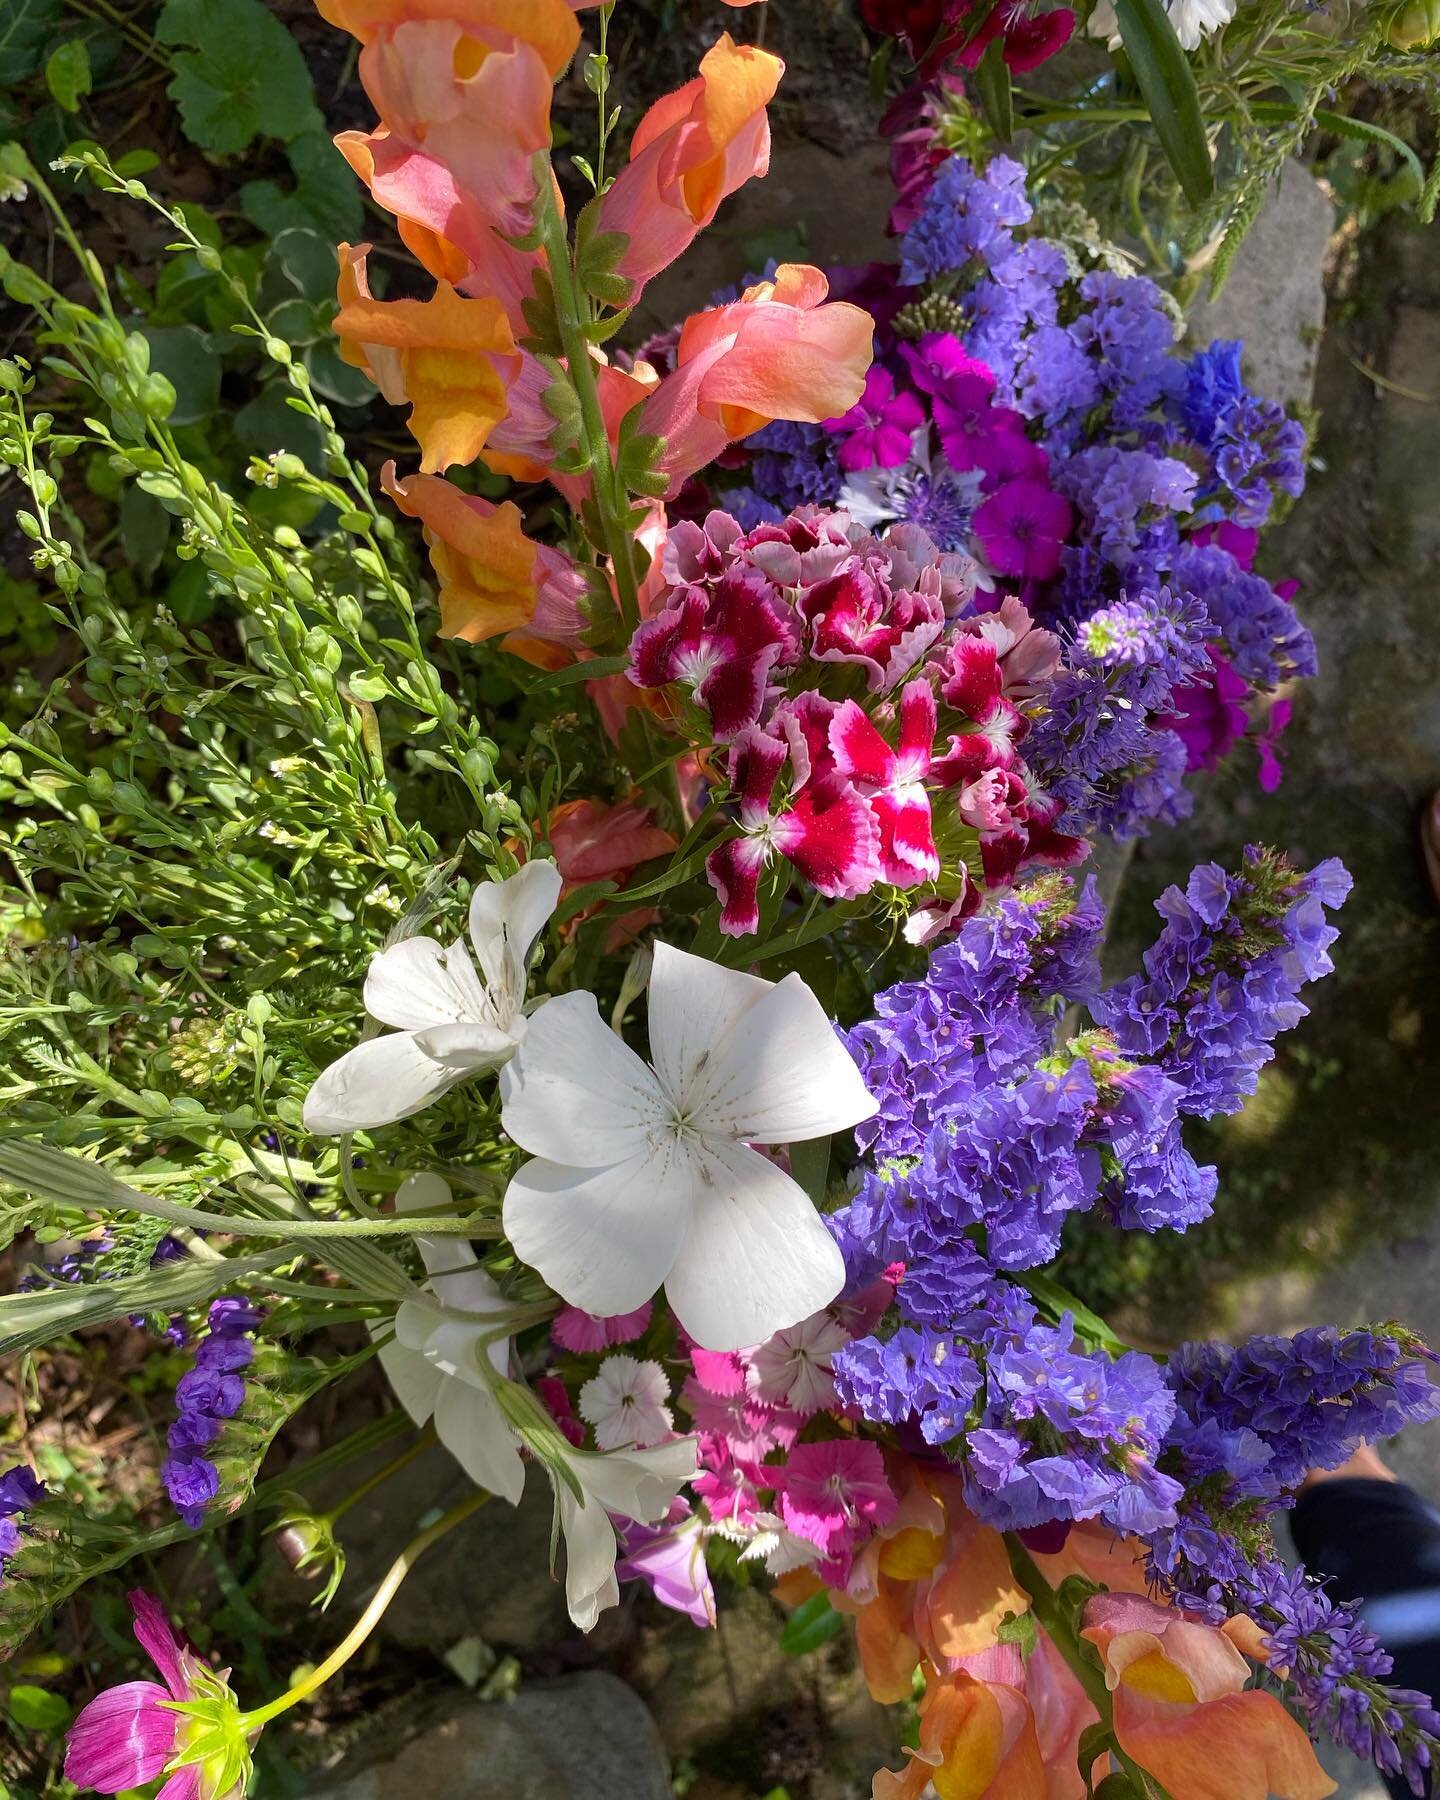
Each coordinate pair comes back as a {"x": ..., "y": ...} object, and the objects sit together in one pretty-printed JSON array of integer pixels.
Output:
[{"x": 215, "y": 1736}]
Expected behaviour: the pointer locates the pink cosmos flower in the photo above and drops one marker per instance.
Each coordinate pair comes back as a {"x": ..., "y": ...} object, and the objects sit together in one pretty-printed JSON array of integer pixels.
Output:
[
  {"x": 585, "y": 1332},
  {"x": 723, "y": 642},
  {"x": 726, "y": 1488},
  {"x": 835, "y": 1493},
  {"x": 877, "y": 430},
  {"x": 722, "y": 1372},
  {"x": 133, "y": 1733},
  {"x": 893, "y": 781},
  {"x": 824, "y": 827},
  {"x": 1022, "y": 527}
]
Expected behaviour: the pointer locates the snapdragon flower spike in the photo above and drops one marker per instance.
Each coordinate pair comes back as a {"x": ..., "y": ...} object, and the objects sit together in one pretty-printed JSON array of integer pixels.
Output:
[
  {"x": 644, "y": 1174},
  {"x": 892, "y": 781},
  {"x": 452, "y": 1020},
  {"x": 823, "y": 825},
  {"x": 191, "y": 1730}
]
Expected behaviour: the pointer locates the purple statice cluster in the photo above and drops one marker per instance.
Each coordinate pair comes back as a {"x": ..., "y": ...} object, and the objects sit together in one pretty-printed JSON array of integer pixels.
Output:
[
  {"x": 20, "y": 1489},
  {"x": 210, "y": 1393},
  {"x": 968, "y": 216},
  {"x": 1223, "y": 978},
  {"x": 1263, "y": 1413},
  {"x": 1100, "y": 748},
  {"x": 1256, "y": 450}
]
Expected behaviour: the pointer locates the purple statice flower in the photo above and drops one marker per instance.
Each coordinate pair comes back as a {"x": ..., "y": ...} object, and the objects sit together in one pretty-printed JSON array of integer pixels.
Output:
[
  {"x": 1259, "y": 632},
  {"x": 1222, "y": 980},
  {"x": 795, "y": 465},
  {"x": 917, "y": 1375},
  {"x": 1256, "y": 448},
  {"x": 966, "y": 217},
  {"x": 1127, "y": 501},
  {"x": 207, "y": 1395},
  {"x": 20, "y": 1489},
  {"x": 72, "y": 1266},
  {"x": 1292, "y": 1404},
  {"x": 1065, "y": 1434},
  {"x": 1152, "y": 1182},
  {"x": 749, "y": 508},
  {"x": 1158, "y": 637},
  {"x": 1129, "y": 333}
]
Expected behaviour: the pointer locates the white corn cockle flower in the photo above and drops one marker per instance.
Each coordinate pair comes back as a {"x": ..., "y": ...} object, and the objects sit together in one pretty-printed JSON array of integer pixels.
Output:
[
  {"x": 434, "y": 1361},
  {"x": 628, "y": 1484},
  {"x": 644, "y": 1172},
  {"x": 452, "y": 1020}
]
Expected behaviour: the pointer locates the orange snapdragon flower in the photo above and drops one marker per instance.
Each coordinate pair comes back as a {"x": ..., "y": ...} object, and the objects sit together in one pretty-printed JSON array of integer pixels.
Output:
[
  {"x": 977, "y": 1739},
  {"x": 494, "y": 580},
  {"x": 1182, "y": 1710},
  {"x": 781, "y": 351},
  {"x": 692, "y": 149},
  {"x": 453, "y": 360},
  {"x": 549, "y": 26}
]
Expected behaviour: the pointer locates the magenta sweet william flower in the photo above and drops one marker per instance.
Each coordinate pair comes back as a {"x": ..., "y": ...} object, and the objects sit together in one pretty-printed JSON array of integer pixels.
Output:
[
  {"x": 1208, "y": 716},
  {"x": 835, "y": 1494},
  {"x": 877, "y": 430},
  {"x": 575, "y": 1329},
  {"x": 893, "y": 781},
  {"x": 723, "y": 640},
  {"x": 857, "y": 617},
  {"x": 1022, "y": 527},
  {"x": 191, "y": 1730},
  {"x": 824, "y": 827}
]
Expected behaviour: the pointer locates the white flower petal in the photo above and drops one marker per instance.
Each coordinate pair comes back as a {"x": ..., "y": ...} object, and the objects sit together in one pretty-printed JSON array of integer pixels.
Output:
[
  {"x": 638, "y": 1484},
  {"x": 780, "y": 1074},
  {"x": 420, "y": 982},
  {"x": 604, "y": 1239},
  {"x": 468, "y": 1048},
  {"x": 506, "y": 917},
  {"x": 470, "y": 1425},
  {"x": 455, "y": 1277},
  {"x": 576, "y": 1094},
  {"x": 416, "y": 1382},
  {"x": 590, "y": 1584},
  {"x": 757, "y": 1257},
  {"x": 376, "y": 1083},
  {"x": 692, "y": 1003}
]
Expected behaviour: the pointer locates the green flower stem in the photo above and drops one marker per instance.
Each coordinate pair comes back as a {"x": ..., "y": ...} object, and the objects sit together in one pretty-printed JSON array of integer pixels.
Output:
[
  {"x": 370, "y": 1618},
  {"x": 1052, "y": 1620},
  {"x": 611, "y": 504},
  {"x": 423, "y": 1441}
]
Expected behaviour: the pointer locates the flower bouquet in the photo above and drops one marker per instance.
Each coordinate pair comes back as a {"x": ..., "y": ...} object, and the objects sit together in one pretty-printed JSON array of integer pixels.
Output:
[{"x": 843, "y": 628}]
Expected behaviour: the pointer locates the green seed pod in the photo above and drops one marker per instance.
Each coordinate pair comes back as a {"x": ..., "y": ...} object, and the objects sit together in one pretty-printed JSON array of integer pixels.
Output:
[{"x": 1415, "y": 25}]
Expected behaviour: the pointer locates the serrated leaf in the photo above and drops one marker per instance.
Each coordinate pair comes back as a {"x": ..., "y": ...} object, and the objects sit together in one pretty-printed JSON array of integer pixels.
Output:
[
  {"x": 67, "y": 73},
  {"x": 811, "y": 1626},
  {"x": 243, "y": 78},
  {"x": 1167, "y": 83}
]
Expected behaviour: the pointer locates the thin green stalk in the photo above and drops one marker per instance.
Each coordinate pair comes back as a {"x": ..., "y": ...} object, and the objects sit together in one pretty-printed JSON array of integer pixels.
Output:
[
  {"x": 610, "y": 503},
  {"x": 369, "y": 1619},
  {"x": 422, "y": 1442}
]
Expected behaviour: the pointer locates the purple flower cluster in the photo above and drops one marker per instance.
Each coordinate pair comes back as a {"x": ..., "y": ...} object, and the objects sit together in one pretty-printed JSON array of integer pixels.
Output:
[
  {"x": 1065, "y": 1434},
  {"x": 968, "y": 216},
  {"x": 1257, "y": 450},
  {"x": 210, "y": 1393},
  {"x": 20, "y": 1489},
  {"x": 1264, "y": 1412},
  {"x": 1222, "y": 980}
]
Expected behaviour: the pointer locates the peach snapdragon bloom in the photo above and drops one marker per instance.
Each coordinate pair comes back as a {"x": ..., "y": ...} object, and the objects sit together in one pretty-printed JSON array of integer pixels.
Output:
[
  {"x": 1182, "y": 1710},
  {"x": 692, "y": 149},
  {"x": 977, "y": 1738},
  {"x": 454, "y": 360},
  {"x": 593, "y": 841},
  {"x": 494, "y": 580},
  {"x": 781, "y": 351}
]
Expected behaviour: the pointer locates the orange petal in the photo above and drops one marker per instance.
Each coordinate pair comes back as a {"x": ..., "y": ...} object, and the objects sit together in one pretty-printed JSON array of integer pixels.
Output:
[
  {"x": 485, "y": 564},
  {"x": 1242, "y": 1747},
  {"x": 1154, "y": 1650},
  {"x": 987, "y": 1739},
  {"x": 973, "y": 1591},
  {"x": 549, "y": 25},
  {"x": 739, "y": 83},
  {"x": 889, "y": 1653}
]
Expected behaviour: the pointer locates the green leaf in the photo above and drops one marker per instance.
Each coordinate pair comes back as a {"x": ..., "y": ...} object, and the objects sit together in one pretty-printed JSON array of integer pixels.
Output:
[
  {"x": 37, "y": 1709},
  {"x": 67, "y": 73},
  {"x": 1362, "y": 130},
  {"x": 182, "y": 354},
  {"x": 244, "y": 77},
  {"x": 595, "y": 670},
  {"x": 25, "y": 27},
  {"x": 992, "y": 84},
  {"x": 1058, "y": 1300},
  {"x": 680, "y": 870},
  {"x": 144, "y": 529},
  {"x": 812, "y": 1625},
  {"x": 1167, "y": 83},
  {"x": 326, "y": 196}
]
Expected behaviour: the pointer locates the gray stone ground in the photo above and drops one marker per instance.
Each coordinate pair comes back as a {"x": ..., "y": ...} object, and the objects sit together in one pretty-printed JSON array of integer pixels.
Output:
[{"x": 1330, "y": 1176}]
